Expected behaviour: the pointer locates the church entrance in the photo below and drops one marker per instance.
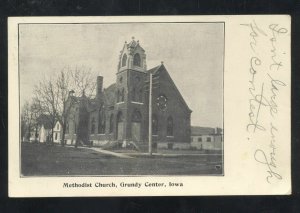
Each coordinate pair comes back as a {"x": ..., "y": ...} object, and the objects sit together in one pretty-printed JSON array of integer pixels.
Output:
[
  {"x": 136, "y": 126},
  {"x": 120, "y": 126},
  {"x": 136, "y": 131}
]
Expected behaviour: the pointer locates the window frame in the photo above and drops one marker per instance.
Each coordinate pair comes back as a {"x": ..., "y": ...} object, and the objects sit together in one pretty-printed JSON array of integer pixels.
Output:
[
  {"x": 93, "y": 127},
  {"x": 137, "y": 60},
  {"x": 124, "y": 60},
  {"x": 170, "y": 126}
]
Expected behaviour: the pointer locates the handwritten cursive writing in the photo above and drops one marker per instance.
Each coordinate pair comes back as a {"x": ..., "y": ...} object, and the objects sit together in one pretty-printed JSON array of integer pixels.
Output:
[
  {"x": 254, "y": 113},
  {"x": 264, "y": 90},
  {"x": 276, "y": 31},
  {"x": 261, "y": 157},
  {"x": 275, "y": 84}
]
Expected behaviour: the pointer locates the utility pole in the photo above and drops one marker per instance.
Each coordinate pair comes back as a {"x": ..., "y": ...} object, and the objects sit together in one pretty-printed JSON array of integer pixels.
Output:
[{"x": 150, "y": 115}]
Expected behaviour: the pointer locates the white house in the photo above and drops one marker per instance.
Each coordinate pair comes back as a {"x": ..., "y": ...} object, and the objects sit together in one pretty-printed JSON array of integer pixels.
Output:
[
  {"x": 57, "y": 132},
  {"x": 206, "y": 138}
]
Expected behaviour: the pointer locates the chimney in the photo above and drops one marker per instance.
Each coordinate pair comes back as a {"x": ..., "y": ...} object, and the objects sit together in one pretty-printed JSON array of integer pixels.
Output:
[{"x": 99, "y": 85}]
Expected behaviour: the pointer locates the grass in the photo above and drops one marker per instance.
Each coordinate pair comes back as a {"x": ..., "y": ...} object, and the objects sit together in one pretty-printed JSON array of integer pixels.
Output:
[{"x": 44, "y": 160}]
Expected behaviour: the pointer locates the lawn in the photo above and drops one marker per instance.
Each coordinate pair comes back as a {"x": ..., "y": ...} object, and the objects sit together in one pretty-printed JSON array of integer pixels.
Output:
[{"x": 45, "y": 160}]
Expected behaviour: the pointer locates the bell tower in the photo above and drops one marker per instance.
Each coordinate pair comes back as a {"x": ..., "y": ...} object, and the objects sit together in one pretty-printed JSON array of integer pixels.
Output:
[
  {"x": 132, "y": 57},
  {"x": 130, "y": 98}
]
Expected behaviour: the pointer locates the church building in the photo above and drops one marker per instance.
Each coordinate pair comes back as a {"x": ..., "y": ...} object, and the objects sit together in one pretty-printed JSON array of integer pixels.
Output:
[{"x": 120, "y": 112}]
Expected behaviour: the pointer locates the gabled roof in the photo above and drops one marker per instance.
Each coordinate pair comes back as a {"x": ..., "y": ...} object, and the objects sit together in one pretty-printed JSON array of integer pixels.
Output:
[
  {"x": 156, "y": 71},
  {"x": 109, "y": 95},
  {"x": 93, "y": 104},
  {"x": 197, "y": 130},
  {"x": 133, "y": 44},
  {"x": 107, "y": 99}
]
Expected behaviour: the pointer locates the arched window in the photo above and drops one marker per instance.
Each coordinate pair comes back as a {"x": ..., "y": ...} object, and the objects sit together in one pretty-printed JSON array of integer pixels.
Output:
[
  {"x": 123, "y": 95},
  {"x": 120, "y": 117},
  {"x": 140, "y": 95},
  {"x": 118, "y": 96},
  {"x": 93, "y": 126},
  {"x": 124, "y": 60},
  {"x": 111, "y": 123},
  {"x": 136, "y": 116},
  {"x": 154, "y": 125},
  {"x": 120, "y": 126},
  {"x": 101, "y": 121},
  {"x": 170, "y": 126},
  {"x": 137, "y": 60},
  {"x": 133, "y": 96}
]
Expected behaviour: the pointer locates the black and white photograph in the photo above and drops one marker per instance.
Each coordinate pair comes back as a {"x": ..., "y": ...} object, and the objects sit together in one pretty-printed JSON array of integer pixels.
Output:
[
  {"x": 149, "y": 106},
  {"x": 121, "y": 99}
]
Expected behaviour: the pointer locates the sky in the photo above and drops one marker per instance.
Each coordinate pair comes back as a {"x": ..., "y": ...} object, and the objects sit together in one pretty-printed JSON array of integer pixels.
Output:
[{"x": 192, "y": 53}]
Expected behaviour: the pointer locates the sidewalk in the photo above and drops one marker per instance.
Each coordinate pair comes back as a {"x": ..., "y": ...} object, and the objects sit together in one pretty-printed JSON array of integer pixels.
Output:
[
  {"x": 172, "y": 154},
  {"x": 120, "y": 155},
  {"x": 144, "y": 154}
]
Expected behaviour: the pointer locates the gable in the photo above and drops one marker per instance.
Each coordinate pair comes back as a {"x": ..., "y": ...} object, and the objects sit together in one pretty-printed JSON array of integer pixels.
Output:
[
  {"x": 165, "y": 80},
  {"x": 109, "y": 95}
]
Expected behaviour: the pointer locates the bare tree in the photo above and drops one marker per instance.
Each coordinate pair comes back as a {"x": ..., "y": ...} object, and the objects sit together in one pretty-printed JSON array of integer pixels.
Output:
[
  {"x": 29, "y": 116},
  {"x": 26, "y": 121},
  {"x": 72, "y": 83},
  {"x": 35, "y": 112},
  {"x": 56, "y": 96},
  {"x": 82, "y": 80},
  {"x": 46, "y": 100}
]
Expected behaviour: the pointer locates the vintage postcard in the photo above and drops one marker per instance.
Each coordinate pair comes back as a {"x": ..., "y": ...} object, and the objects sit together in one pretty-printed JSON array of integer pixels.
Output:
[{"x": 149, "y": 106}]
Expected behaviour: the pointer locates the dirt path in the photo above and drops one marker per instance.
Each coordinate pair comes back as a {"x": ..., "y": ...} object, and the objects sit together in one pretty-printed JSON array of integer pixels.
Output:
[{"x": 120, "y": 155}]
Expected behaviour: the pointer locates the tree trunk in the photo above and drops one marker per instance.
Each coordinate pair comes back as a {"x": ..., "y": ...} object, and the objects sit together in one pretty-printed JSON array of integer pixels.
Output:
[
  {"x": 63, "y": 137},
  {"x": 52, "y": 137},
  {"x": 29, "y": 132},
  {"x": 36, "y": 133},
  {"x": 63, "y": 134}
]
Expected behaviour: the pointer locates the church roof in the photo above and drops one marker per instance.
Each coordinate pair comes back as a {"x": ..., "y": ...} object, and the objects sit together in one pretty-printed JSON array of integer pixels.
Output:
[
  {"x": 92, "y": 104},
  {"x": 109, "y": 95},
  {"x": 154, "y": 69},
  {"x": 157, "y": 72}
]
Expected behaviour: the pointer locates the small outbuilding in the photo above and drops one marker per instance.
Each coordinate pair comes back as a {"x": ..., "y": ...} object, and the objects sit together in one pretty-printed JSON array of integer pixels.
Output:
[{"x": 206, "y": 138}]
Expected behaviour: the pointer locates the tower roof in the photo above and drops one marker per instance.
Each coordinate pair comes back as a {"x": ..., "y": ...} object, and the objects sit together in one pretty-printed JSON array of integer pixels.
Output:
[{"x": 133, "y": 44}]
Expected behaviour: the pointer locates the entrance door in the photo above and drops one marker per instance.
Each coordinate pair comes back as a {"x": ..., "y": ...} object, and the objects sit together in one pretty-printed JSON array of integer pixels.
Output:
[
  {"x": 136, "y": 131},
  {"x": 120, "y": 131},
  {"x": 136, "y": 126},
  {"x": 120, "y": 126}
]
